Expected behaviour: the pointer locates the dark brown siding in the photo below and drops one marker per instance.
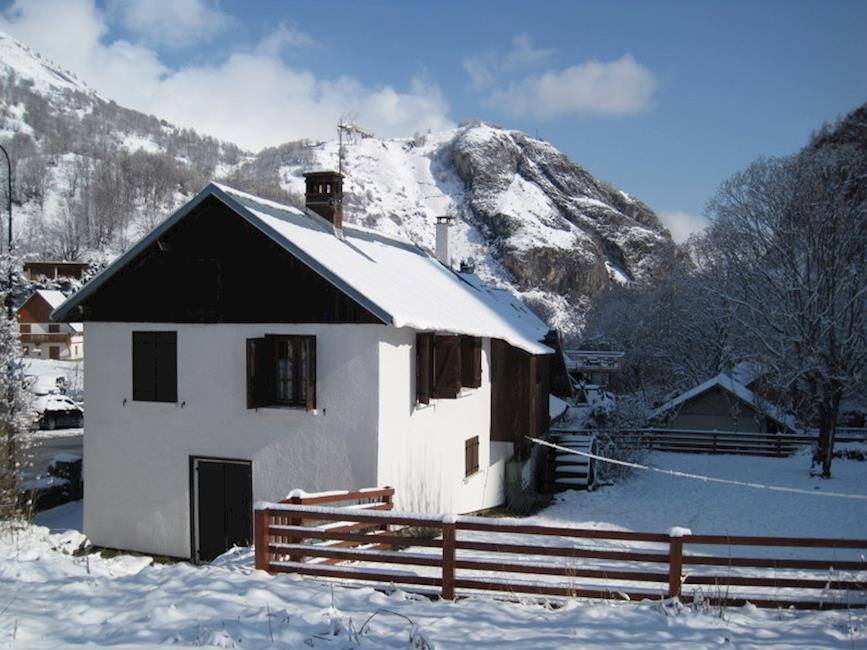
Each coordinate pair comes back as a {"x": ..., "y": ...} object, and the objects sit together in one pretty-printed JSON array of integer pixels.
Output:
[
  {"x": 214, "y": 267},
  {"x": 519, "y": 395}
]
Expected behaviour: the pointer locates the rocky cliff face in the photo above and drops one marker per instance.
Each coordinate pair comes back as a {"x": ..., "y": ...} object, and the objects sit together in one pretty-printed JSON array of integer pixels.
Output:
[
  {"x": 530, "y": 218},
  {"x": 92, "y": 177}
]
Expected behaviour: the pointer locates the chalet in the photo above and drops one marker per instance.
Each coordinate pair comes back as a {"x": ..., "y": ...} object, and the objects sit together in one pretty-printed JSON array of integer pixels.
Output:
[
  {"x": 723, "y": 403},
  {"x": 52, "y": 270},
  {"x": 42, "y": 338},
  {"x": 244, "y": 348}
]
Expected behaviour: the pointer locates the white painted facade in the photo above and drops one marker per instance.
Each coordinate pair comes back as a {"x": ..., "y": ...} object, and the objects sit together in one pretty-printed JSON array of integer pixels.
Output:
[
  {"x": 39, "y": 338},
  {"x": 367, "y": 430}
]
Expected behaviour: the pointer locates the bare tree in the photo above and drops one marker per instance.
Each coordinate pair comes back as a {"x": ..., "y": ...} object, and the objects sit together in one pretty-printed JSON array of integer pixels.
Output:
[{"x": 787, "y": 245}]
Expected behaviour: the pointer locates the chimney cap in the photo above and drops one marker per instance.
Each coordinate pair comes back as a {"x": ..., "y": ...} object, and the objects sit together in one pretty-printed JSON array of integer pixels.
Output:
[
  {"x": 445, "y": 219},
  {"x": 322, "y": 174}
]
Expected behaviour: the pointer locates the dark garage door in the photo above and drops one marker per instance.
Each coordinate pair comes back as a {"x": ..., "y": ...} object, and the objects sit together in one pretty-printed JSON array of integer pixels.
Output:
[{"x": 223, "y": 505}]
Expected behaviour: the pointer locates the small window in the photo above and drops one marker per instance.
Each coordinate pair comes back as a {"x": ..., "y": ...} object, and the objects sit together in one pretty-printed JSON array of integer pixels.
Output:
[
  {"x": 471, "y": 456},
  {"x": 155, "y": 366},
  {"x": 25, "y": 328},
  {"x": 281, "y": 371},
  {"x": 53, "y": 328}
]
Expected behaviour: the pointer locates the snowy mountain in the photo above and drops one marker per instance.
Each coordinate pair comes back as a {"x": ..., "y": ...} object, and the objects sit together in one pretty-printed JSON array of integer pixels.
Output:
[
  {"x": 92, "y": 177},
  {"x": 526, "y": 215}
]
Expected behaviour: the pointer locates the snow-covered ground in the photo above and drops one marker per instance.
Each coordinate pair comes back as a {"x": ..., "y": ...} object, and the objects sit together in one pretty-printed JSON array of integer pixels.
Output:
[{"x": 49, "y": 599}]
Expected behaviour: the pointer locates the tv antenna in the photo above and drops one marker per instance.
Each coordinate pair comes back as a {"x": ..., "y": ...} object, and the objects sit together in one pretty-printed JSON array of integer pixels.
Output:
[{"x": 353, "y": 132}]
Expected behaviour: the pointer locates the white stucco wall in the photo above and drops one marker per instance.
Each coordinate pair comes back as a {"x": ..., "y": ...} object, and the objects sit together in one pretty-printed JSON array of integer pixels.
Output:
[
  {"x": 136, "y": 467},
  {"x": 421, "y": 449}
]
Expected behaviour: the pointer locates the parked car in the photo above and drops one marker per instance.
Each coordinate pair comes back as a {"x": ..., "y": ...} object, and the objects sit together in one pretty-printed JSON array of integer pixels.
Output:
[{"x": 57, "y": 411}]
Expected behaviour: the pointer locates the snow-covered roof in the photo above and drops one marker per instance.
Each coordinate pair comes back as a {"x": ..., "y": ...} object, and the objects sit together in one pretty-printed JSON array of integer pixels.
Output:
[
  {"x": 736, "y": 388},
  {"x": 394, "y": 279},
  {"x": 52, "y": 297}
]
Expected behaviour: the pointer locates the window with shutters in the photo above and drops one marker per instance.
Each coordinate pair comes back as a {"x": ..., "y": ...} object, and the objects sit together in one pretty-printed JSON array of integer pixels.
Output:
[
  {"x": 445, "y": 364},
  {"x": 471, "y": 456},
  {"x": 281, "y": 371},
  {"x": 155, "y": 366}
]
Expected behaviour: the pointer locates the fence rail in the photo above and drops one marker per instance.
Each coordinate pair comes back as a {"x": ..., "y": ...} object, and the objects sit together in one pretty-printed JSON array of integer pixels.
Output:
[
  {"x": 471, "y": 553},
  {"x": 718, "y": 442}
]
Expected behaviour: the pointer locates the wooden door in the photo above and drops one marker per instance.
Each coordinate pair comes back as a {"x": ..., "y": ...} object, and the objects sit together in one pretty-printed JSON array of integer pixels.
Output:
[
  {"x": 222, "y": 506},
  {"x": 54, "y": 352}
]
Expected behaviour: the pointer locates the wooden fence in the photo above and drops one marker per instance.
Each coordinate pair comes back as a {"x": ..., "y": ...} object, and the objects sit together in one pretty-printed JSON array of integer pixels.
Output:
[
  {"x": 469, "y": 554},
  {"x": 715, "y": 442}
]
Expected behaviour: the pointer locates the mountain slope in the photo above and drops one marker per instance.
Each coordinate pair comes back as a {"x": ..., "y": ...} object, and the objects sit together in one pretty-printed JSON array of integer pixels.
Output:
[
  {"x": 528, "y": 216},
  {"x": 93, "y": 176}
]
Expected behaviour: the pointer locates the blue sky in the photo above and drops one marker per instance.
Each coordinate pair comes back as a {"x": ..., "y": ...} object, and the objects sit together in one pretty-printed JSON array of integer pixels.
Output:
[{"x": 665, "y": 99}]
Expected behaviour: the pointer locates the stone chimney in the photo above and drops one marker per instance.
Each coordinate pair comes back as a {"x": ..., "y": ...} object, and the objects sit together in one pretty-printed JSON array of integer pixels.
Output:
[
  {"x": 324, "y": 195},
  {"x": 442, "y": 250}
]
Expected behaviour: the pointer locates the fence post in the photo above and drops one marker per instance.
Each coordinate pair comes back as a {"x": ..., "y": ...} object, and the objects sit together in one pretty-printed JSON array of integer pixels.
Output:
[
  {"x": 295, "y": 520},
  {"x": 388, "y": 499},
  {"x": 260, "y": 539},
  {"x": 449, "y": 526},
  {"x": 675, "y": 560}
]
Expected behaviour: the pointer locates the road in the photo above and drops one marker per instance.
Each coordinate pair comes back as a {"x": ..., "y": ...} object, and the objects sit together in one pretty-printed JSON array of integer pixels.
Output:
[{"x": 46, "y": 445}]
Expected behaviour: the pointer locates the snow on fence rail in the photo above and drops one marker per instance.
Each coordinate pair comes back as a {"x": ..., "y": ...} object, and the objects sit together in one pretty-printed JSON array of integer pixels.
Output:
[
  {"x": 503, "y": 555},
  {"x": 718, "y": 442}
]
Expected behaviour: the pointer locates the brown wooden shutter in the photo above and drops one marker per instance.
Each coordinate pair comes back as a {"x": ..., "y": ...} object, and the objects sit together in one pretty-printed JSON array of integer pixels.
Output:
[
  {"x": 143, "y": 366},
  {"x": 252, "y": 371},
  {"x": 447, "y": 367},
  {"x": 310, "y": 343},
  {"x": 471, "y": 361},
  {"x": 166, "y": 366},
  {"x": 423, "y": 353},
  {"x": 260, "y": 370},
  {"x": 471, "y": 456}
]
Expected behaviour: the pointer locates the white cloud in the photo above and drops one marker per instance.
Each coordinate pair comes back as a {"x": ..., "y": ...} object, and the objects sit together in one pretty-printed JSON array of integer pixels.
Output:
[
  {"x": 524, "y": 54},
  {"x": 174, "y": 23},
  {"x": 285, "y": 36},
  {"x": 682, "y": 224},
  {"x": 251, "y": 97},
  {"x": 616, "y": 87},
  {"x": 486, "y": 69}
]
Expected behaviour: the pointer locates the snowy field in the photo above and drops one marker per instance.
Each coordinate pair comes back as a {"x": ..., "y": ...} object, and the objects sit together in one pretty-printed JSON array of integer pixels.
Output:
[{"x": 49, "y": 599}]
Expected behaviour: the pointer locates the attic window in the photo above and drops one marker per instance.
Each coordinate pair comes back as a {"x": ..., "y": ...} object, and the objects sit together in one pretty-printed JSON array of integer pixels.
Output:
[{"x": 281, "y": 371}]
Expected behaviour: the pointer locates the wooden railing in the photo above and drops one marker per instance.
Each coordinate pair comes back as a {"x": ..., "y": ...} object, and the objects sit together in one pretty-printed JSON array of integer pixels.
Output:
[
  {"x": 279, "y": 526},
  {"x": 470, "y": 554},
  {"x": 717, "y": 442}
]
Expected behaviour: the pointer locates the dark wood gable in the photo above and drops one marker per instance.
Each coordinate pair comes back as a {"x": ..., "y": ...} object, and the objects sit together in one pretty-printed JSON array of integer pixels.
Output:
[{"x": 215, "y": 267}]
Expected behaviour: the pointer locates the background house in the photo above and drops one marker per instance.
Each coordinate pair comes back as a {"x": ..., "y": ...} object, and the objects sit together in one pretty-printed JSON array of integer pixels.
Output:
[
  {"x": 245, "y": 348},
  {"x": 42, "y": 338},
  {"x": 53, "y": 270},
  {"x": 722, "y": 403}
]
